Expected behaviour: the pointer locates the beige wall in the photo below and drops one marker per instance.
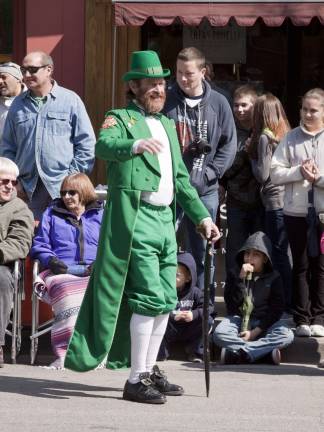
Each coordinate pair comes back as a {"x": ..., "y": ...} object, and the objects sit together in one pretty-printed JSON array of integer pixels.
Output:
[{"x": 98, "y": 65}]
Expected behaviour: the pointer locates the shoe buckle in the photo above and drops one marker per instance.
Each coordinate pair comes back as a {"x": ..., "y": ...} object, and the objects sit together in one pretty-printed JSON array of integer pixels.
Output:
[
  {"x": 145, "y": 379},
  {"x": 158, "y": 372}
]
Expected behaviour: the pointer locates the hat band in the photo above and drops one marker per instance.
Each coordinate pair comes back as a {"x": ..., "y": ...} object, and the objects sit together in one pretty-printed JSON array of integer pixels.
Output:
[{"x": 153, "y": 70}]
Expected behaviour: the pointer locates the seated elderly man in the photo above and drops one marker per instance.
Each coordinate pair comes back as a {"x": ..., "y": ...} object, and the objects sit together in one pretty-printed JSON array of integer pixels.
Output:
[{"x": 16, "y": 232}]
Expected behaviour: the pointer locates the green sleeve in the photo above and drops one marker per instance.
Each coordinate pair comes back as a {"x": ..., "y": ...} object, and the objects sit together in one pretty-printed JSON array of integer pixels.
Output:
[{"x": 113, "y": 143}]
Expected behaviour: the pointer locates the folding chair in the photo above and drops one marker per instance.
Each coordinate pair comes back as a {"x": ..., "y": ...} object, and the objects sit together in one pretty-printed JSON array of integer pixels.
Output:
[
  {"x": 15, "y": 322},
  {"x": 37, "y": 329}
]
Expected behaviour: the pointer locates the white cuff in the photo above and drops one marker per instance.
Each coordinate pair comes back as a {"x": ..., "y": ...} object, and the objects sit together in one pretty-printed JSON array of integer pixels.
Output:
[{"x": 135, "y": 146}]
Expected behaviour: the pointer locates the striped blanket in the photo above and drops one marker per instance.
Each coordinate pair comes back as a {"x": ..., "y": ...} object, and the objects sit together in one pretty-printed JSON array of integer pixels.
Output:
[{"x": 65, "y": 294}]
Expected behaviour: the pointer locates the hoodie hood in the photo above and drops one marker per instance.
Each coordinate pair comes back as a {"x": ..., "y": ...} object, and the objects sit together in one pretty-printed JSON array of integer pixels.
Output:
[
  {"x": 181, "y": 96},
  {"x": 260, "y": 242},
  {"x": 187, "y": 260}
]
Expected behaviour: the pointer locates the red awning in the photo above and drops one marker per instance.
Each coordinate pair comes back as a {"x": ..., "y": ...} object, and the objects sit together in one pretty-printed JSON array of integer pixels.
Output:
[{"x": 218, "y": 14}]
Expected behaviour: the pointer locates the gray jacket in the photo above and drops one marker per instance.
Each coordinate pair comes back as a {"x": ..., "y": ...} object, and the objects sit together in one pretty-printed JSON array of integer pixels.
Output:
[
  {"x": 271, "y": 194},
  {"x": 293, "y": 149},
  {"x": 16, "y": 230}
]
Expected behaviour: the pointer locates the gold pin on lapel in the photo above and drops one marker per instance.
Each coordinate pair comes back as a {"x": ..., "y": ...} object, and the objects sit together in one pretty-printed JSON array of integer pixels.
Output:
[{"x": 132, "y": 122}]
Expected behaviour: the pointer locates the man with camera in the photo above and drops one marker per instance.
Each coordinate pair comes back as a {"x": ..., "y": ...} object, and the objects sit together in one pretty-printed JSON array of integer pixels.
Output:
[{"x": 207, "y": 136}]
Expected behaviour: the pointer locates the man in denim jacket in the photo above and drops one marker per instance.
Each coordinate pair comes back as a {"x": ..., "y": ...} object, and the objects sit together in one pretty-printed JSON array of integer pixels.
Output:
[{"x": 48, "y": 134}]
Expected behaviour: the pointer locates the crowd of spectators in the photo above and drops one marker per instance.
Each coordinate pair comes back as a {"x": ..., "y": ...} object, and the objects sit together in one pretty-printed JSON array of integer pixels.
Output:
[{"x": 269, "y": 175}]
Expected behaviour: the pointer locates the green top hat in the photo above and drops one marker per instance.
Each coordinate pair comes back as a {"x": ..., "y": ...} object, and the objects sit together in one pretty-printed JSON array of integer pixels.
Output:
[{"x": 145, "y": 64}]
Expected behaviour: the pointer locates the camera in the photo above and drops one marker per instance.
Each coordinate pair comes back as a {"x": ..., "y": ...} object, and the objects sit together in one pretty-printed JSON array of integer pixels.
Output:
[{"x": 199, "y": 146}]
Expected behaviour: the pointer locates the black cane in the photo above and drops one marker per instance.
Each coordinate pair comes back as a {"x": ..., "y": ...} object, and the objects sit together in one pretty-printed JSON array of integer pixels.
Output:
[{"x": 207, "y": 269}]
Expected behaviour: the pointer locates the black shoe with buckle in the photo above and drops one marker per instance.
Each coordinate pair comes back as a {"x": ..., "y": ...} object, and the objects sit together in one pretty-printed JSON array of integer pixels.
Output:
[
  {"x": 144, "y": 391},
  {"x": 161, "y": 383},
  {"x": 1, "y": 357}
]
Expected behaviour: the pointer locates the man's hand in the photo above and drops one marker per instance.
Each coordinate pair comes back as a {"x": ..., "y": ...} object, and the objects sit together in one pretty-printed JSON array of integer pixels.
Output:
[
  {"x": 150, "y": 145},
  {"x": 208, "y": 230}
]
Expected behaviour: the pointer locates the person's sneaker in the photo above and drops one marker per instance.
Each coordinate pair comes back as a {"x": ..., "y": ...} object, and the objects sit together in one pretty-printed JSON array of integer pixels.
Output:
[
  {"x": 303, "y": 330},
  {"x": 317, "y": 330},
  {"x": 321, "y": 364},
  {"x": 161, "y": 383},
  {"x": 1, "y": 358},
  {"x": 273, "y": 357},
  {"x": 234, "y": 357},
  {"x": 144, "y": 391},
  {"x": 195, "y": 358}
]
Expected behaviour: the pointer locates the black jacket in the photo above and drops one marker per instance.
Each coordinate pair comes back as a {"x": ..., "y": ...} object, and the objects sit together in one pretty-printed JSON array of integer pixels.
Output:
[
  {"x": 243, "y": 189},
  {"x": 267, "y": 288},
  {"x": 212, "y": 120},
  {"x": 191, "y": 297}
]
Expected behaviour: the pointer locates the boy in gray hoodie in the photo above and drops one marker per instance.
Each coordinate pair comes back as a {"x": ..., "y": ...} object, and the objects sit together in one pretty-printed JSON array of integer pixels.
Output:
[{"x": 259, "y": 289}]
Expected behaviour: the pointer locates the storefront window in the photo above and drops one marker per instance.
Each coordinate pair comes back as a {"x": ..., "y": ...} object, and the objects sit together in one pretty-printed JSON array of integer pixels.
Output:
[
  {"x": 5, "y": 30},
  {"x": 285, "y": 60}
]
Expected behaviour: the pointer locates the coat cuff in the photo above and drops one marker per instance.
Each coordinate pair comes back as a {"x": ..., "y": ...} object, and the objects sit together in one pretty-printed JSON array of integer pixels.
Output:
[{"x": 124, "y": 151}]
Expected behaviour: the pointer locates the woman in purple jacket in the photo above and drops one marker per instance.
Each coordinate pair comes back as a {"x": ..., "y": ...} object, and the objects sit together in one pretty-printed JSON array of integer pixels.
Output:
[{"x": 66, "y": 246}]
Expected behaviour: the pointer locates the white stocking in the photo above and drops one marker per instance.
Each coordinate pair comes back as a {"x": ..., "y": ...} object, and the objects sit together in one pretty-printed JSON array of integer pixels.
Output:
[
  {"x": 141, "y": 328},
  {"x": 159, "y": 327}
]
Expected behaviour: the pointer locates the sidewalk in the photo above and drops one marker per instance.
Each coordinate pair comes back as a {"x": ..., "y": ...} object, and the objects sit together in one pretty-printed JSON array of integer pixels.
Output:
[{"x": 254, "y": 398}]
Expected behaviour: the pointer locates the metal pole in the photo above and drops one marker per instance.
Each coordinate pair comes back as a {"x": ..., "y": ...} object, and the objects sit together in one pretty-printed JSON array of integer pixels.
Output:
[{"x": 207, "y": 272}]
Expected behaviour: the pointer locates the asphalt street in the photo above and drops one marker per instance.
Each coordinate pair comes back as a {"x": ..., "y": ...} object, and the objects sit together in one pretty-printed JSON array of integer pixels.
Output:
[{"x": 258, "y": 398}]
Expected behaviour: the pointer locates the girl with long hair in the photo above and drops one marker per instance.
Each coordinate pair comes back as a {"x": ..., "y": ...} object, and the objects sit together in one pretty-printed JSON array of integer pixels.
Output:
[{"x": 270, "y": 125}]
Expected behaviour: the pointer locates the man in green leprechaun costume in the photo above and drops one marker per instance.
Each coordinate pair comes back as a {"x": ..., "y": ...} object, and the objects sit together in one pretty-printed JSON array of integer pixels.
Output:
[{"x": 132, "y": 287}]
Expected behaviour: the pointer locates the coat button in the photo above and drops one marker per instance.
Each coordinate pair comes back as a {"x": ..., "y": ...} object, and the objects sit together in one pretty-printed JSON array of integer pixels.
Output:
[
  {"x": 154, "y": 188},
  {"x": 137, "y": 169},
  {"x": 147, "y": 178}
]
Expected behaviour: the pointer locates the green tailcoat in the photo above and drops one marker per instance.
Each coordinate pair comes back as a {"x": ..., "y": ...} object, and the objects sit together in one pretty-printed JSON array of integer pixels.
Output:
[{"x": 103, "y": 323}]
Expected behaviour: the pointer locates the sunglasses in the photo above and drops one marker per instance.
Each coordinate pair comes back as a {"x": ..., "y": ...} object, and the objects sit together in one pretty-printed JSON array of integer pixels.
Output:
[
  {"x": 70, "y": 192},
  {"x": 31, "y": 69},
  {"x": 5, "y": 182}
]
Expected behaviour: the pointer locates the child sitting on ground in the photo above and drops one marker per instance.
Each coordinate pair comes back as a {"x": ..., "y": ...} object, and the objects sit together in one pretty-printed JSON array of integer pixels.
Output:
[
  {"x": 266, "y": 333},
  {"x": 185, "y": 322}
]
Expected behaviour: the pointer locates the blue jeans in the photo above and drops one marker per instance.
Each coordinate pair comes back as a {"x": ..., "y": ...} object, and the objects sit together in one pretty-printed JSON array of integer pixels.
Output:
[
  {"x": 276, "y": 231},
  {"x": 240, "y": 224},
  {"x": 197, "y": 244},
  {"x": 226, "y": 335},
  {"x": 39, "y": 201}
]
